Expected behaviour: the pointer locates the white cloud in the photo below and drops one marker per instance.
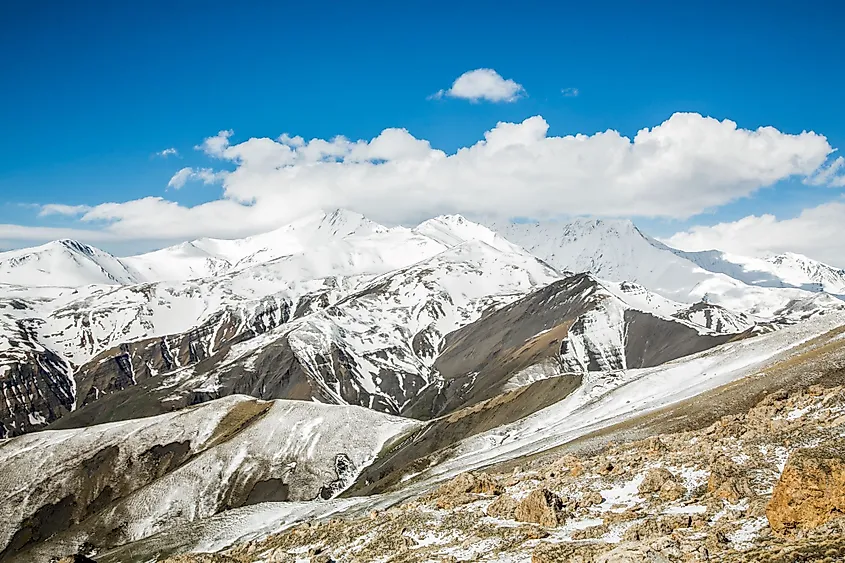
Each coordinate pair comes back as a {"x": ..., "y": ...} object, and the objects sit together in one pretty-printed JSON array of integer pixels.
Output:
[
  {"x": 206, "y": 175},
  {"x": 818, "y": 232},
  {"x": 679, "y": 168},
  {"x": 483, "y": 84},
  {"x": 214, "y": 145},
  {"x": 35, "y": 234},
  {"x": 61, "y": 209},
  {"x": 570, "y": 92},
  {"x": 168, "y": 152}
]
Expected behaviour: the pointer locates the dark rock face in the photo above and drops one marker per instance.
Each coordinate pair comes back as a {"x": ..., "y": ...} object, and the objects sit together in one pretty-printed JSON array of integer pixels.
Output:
[
  {"x": 35, "y": 385},
  {"x": 478, "y": 359},
  {"x": 653, "y": 341}
]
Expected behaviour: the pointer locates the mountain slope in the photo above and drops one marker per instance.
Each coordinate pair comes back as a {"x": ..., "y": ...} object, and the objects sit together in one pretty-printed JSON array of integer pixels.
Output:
[
  {"x": 566, "y": 328},
  {"x": 374, "y": 347},
  {"x": 64, "y": 263},
  {"x": 111, "y": 484},
  {"x": 118, "y": 336}
]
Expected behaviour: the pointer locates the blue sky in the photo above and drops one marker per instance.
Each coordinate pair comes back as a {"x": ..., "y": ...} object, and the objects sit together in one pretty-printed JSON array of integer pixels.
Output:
[{"x": 94, "y": 89}]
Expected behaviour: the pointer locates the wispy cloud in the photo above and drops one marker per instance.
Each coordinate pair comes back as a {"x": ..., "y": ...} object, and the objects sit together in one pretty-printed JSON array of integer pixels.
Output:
[
  {"x": 483, "y": 84},
  {"x": 816, "y": 231},
  {"x": 206, "y": 175},
  {"x": 168, "y": 152},
  {"x": 61, "y": 209},
  {"x": 570, "y": 92},
  {"x": 832, "y": 175}
]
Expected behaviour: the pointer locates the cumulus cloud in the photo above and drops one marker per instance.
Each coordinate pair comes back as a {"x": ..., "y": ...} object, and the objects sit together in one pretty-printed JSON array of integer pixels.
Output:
[
  {"x": 168, "y": 152},
  {"x": 818, "y": 232},
  {"x": 183, "y": 176},
  {"x": 570, "y": 92},
  {"x": 483, "y": 84},
  {"x": 61, "y": 209},
  {"x": 677, "y": 169}
]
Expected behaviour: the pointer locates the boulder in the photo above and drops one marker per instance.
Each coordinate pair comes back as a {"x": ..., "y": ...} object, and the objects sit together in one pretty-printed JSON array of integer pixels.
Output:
[
  {"x": 541, "y": 507},
  {"x": 589, "y": 499},
  {"x": 503, "y": 507},
  {"x": 662, "y": 481},
  {"x": 727, "y": 482},
  {"x": 474, "y": 483},
  {"x": 811, "y": 489}
]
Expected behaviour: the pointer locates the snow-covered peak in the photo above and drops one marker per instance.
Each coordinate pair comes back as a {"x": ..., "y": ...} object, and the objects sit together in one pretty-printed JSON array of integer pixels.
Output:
[
  {"x": 208, "y": 257},
  {"x": 616, "y": 250},
  {"x": 802, "y": 269},
  {"x": 62, "y": 263},
  {"x": 453, "y": 230},
  {"x": 787, "y": 270},
  {"x": 611, "y": 249}
]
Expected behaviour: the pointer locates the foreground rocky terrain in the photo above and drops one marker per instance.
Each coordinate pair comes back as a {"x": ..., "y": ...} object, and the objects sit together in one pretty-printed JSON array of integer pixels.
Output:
[{"x": 766, "y": 484}]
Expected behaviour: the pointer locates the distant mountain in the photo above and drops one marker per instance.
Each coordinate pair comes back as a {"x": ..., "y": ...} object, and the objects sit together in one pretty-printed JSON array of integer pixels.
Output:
[
  {"x": 617, "y": 250},
  {"x": 65, "y": 263},
  {"x": 336, "y": 308},
  {"x": 782, "y": 270},
  {"x": 211, "y": 257}
]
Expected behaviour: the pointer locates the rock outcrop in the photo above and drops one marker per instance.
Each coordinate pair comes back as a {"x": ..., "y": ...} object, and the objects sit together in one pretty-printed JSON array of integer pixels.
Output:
[
  {"x": 811, "y": 489},
  {"x": 541, "y": 507}
]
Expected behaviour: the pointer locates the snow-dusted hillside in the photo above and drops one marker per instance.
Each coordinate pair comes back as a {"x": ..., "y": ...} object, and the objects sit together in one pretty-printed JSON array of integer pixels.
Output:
[
  {"x": 355, "y": 311},
  {"x": 323, "y": 260},
  {"x": 130, "y": 480},
  {"x": 376, "y": 346}
]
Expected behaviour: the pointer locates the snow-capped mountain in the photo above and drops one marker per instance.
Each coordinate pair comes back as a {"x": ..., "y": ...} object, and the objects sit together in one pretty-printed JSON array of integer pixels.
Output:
[
  {"x": 617, "y": 250},
  {"x": 65, "y": 263},
  {"x": 782, "y": 270},
  {"x": 336, "y": 308},
  {"x": 334, "y": 325},
  {"x": 211, "y": 257},
  {"x": 322, "y": 260}
]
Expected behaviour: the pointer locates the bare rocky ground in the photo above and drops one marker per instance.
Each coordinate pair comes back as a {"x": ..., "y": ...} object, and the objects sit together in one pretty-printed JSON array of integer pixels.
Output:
[{"x": 764, "y": 485}]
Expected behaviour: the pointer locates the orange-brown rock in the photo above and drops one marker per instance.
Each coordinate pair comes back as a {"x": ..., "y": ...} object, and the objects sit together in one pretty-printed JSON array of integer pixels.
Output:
[
  {"x": 503, "y": 507},
  {"x": 541, "y": 507},
  {"x": 811, "y": 489},
  {"x": 475, "y": 483},
  {"x": 662, "y": 482},
  {"x": 727, "y": 482}
]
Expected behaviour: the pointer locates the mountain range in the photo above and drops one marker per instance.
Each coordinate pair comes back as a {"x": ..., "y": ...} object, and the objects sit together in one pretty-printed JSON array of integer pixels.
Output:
[{"x": 419, "y": 330}]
